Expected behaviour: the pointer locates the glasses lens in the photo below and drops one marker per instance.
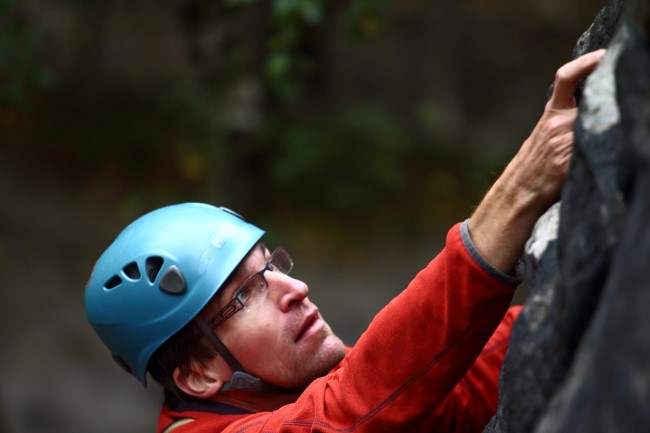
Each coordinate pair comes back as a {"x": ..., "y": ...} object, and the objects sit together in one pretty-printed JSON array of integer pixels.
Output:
[
  {"x": 281, "y": 261},
  {"x": 251, "y": 293}
]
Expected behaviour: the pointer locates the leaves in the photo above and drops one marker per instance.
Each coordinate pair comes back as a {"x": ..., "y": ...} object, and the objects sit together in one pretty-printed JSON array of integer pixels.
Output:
[{"x": 20, "y": 72}]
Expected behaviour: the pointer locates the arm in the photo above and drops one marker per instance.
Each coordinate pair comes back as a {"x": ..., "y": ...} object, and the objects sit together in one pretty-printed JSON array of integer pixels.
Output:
[
  {"x": 473, "y": 402},
  {"x": 532, "y": 181},
  {"x": 413, "y": 354},
  {"x": 420, "y": 346}
]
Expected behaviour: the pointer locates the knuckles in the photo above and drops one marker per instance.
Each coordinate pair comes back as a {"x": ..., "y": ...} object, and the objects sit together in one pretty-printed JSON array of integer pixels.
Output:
[
  {"x": 564, "y": 75},
  {"x": 554, "y": 126},
  {"x": 558, "y": 123}
]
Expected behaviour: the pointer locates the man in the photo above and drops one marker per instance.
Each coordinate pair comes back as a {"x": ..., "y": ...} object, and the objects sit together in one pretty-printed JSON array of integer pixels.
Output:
[{"x": 190, "y": 294}]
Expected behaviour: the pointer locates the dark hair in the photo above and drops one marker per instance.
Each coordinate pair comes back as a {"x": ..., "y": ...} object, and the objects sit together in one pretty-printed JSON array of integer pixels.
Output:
[
  {"x": 183, "y": 348},
  {"x": 187, "y": 345}
]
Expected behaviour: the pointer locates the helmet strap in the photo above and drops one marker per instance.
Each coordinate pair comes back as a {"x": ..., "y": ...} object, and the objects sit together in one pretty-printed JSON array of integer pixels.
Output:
[{"x": 240, "y": 379}]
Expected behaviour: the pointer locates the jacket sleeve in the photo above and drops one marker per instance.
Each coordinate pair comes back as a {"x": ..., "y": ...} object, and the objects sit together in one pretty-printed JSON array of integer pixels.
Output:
[
  {"x": 411, "y": 357},
  {"x": 473, "y": 401}
]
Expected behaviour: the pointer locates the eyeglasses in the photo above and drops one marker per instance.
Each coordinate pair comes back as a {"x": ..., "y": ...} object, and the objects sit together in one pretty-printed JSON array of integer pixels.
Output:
[{"x": 254, "y": 290}]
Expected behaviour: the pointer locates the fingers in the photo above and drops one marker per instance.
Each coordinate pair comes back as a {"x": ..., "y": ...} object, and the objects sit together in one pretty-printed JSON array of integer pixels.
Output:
[{"x": 568, "y": 76}]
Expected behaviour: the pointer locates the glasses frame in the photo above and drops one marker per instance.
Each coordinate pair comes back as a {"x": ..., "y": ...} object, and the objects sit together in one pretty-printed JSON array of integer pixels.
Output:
[{"x": 235, "y": 305}]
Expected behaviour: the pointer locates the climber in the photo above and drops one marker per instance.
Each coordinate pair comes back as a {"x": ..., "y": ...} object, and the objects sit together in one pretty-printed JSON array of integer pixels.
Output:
[{"x": 189, "y": 294}]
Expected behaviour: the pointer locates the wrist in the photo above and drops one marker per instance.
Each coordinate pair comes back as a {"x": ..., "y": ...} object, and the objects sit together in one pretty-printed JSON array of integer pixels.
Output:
[
  {"x": 513, "y": 278},
  {"x": 504, "y": 220}
]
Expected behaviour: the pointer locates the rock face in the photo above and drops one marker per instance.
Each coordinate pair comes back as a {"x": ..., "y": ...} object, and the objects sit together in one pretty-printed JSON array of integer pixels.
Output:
[{"x": 579, "y": 359}]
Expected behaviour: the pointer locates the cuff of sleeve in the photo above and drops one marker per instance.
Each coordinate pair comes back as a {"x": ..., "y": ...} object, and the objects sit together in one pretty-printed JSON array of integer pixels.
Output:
[{"x": 512, "y": 280}]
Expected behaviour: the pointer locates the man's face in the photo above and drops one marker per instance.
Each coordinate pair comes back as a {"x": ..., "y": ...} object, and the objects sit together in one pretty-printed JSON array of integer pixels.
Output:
[{"x": 283, "y": 340}]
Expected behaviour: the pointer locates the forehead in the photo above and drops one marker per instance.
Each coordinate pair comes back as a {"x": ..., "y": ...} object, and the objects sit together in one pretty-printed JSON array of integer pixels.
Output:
[{"x": 253, "y": 260}]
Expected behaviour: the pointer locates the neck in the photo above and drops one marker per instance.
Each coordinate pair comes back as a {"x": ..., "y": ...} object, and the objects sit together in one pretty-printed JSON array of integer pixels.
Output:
[{"x": 255, "y": 401}]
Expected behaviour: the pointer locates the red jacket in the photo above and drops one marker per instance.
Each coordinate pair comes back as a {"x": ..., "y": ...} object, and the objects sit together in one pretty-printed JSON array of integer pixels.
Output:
[{"x": 424, "y": 364}]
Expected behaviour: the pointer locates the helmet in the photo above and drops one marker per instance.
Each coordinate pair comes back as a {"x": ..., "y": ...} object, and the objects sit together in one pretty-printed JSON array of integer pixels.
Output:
[{"x": 159, "y": 273}]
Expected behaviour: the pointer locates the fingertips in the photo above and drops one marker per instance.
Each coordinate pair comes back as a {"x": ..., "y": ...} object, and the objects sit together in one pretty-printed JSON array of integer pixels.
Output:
[
  {"x": 584, "y": 64},
  {"x": 567, "y": 77},
  {"x": 599, "y": 54}
]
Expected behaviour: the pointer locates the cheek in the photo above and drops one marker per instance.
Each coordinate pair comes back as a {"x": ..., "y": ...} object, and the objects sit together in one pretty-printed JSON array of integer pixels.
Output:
[{"x": 258, "y": 341}]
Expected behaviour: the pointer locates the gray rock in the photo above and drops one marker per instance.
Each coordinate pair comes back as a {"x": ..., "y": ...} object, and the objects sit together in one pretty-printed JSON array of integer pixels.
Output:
[{"x": 579, "y": 358}]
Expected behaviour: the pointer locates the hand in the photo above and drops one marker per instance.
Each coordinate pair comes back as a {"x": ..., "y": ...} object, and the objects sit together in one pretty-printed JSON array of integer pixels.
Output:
[
  {"x": 542, "y": 163},
  {"x": 532, "y": 181}
]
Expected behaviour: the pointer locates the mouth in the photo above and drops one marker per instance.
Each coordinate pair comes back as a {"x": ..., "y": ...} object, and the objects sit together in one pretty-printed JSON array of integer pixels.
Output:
[{"x": 310, "y": 320}]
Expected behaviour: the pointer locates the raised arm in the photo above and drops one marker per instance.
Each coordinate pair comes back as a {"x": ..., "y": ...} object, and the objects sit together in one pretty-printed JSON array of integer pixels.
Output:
[{"x": 532, "y": 181}]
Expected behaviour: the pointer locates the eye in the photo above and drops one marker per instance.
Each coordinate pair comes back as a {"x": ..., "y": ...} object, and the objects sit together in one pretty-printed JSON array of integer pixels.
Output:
[{"x": 244, "y": 295}]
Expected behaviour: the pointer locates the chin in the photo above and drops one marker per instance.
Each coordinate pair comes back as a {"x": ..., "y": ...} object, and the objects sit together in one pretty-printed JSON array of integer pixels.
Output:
[
  {"x": 324, "y": 360},
  {"x": 317, "y": 363}
]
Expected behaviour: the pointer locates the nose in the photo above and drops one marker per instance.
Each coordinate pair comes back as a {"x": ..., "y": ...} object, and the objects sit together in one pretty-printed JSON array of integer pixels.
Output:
[{"x": 286, "y": 291}]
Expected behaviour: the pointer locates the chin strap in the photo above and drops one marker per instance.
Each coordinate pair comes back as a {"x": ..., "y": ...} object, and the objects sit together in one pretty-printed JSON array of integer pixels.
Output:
[{"x": 240, "y": 379}]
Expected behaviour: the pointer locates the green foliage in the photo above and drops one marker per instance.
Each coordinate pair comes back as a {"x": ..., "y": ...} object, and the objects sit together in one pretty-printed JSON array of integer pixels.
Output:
[
  {"x": 20, "y": 73},
  {"x": 309, "y": 12},
  {"x": 239, "y": 2},
  {"x": 363, "y": 17},
  {"x": 347, "y": 163},
  {"x": 232, "y": 129},
  {"x": 292, "y": 22}
]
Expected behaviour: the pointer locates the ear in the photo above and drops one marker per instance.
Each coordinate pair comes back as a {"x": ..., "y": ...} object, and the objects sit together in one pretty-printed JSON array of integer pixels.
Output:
[{"x": 203, "y": 380}]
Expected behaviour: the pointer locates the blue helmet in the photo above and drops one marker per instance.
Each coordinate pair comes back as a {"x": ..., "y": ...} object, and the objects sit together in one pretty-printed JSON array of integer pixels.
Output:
[{"x": 159, "y": 273}]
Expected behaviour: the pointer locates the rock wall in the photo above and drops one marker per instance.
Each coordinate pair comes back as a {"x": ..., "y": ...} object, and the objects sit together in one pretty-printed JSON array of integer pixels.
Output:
[{"x": 579, "y": 359}]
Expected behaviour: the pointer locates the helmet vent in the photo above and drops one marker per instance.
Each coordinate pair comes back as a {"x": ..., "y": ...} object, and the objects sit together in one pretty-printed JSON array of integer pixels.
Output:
[
  {"x": 113, "y": 282},
  {"x": 131, "y": 270},
  {"x": 173, "y": 282},
  {"x": 153, "y": 266}
]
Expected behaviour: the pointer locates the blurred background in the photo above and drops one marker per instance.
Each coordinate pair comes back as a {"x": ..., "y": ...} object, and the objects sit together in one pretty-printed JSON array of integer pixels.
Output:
[{"x": 356, "y": 133}]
